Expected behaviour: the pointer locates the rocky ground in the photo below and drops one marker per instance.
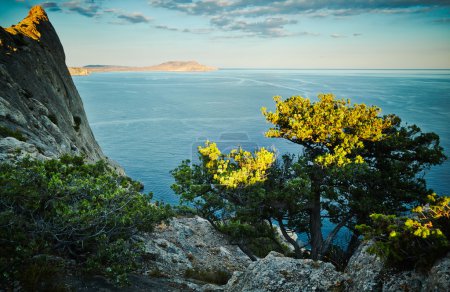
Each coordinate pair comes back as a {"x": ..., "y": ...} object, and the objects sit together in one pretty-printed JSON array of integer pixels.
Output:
[{"x": 188, "y": 254}]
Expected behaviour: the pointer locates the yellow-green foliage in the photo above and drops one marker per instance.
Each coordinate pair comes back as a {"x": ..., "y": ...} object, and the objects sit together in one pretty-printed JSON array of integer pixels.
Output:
[
  {"x": 239, "y": 167},
  {"x": 414, "y": 242},
  {"x": 334, "y": 124}
]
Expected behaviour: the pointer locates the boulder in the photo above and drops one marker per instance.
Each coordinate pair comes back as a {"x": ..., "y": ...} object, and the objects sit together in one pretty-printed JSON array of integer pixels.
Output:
[
  {"x": 364, "y": 270},
  {"x": 278, "y": 273},
  {"x": 439, "y": 276},
  {"x": 190, "y": 247}
]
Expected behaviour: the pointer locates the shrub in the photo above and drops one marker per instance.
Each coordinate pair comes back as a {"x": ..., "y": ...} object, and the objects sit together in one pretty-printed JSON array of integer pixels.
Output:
[
  {"x": 412, "y": 242},
  {"x": 6, "y": 132},
  {"x": 77, "y": 122},
  {"x": 72, "y": 210},
  {"x": 53, "y": 119}
]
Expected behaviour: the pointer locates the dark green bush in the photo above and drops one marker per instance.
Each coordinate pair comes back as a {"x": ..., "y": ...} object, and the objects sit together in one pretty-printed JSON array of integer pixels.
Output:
[
  {"x": 53, "y": 118},
  {"x": 77, "y": 122},
  {"x": 6, "y": 132},
  {"x": 66, "y": 208}
]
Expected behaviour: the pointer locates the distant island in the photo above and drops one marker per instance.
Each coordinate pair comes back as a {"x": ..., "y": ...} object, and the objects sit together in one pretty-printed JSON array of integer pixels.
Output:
[{"x": 172, "y": 66}]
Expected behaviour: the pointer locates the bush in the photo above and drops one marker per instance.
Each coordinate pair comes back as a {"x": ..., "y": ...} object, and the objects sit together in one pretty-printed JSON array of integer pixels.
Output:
[
  {"x": 414, "y": 242},
  {"x": 76, "y": 211},
  {"x": 53, "y": 119},
  {"x": 77, "y": 123},
  {"x": 6, "y": 132}
]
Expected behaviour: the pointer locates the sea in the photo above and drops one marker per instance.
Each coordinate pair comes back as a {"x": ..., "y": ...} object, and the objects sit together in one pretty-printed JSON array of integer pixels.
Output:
[{"x": 150, "y": 121}]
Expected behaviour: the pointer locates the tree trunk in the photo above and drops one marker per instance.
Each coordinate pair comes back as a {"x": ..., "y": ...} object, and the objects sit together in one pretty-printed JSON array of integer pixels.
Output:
[
  {"x": 353, "y": 245},
  {"x": 326, "y": 244},
  {"x": 298, "y": 251},
  {"x": 315, "y": 223}
]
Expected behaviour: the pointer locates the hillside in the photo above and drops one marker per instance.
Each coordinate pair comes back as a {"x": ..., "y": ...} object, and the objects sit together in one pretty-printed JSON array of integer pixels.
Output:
[{"x": 171, "y": 66}]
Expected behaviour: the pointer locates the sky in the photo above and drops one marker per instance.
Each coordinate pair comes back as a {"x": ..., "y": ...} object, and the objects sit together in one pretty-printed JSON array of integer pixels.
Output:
[{"x": 291, "y": 34}]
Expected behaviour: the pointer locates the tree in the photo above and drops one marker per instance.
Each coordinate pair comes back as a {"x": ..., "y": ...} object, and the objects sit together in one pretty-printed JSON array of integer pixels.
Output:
[
  {"x": 223, "y": 188},
  {"x": 356, "y": 163},
  {"x": 353, "y": 163},
  {"x": 331, "y": 131}
]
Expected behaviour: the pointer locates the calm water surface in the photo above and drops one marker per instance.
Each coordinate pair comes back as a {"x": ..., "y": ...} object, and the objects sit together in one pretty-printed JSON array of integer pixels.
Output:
[{"x": 150, "y": 121}]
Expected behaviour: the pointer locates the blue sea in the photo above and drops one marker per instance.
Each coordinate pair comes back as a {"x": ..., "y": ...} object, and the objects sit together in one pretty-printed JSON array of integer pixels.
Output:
[{"x": 150, "y": 121}]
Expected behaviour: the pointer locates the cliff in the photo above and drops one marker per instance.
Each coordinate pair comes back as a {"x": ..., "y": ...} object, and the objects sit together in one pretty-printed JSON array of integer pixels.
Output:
[{"x": 41, "y": 112}]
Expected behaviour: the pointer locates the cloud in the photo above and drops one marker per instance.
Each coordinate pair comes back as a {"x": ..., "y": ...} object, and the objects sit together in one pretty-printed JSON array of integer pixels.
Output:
[
  {"x": 51, "y": 6},
  {"x": 88, "y": 9},
  {"x": 165, "y": 27},
  {"x": 134, "y": 17},
  {"x": 442, "y": 20},
  {"x": 357, "y": 34},
  {"x": 337, "y": 36},
  {"x": 184, "y": 30},
  {"x": 291, "y": 7},
  {"x": 268, "y": 18},
  {"x": 268, "y": 27}
]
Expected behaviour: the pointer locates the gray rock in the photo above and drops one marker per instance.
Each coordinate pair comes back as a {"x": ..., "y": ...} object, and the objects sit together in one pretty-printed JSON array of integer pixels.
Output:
[
  {"x": 367, "y": 273},
  {"x": 439, "y": 276},
  {"x": 37, "y": 95},
  {"x": 403, "y": 281},
  {"x": 364, "y": 270},
  {"x": 278, "y": 273},
  {"x": 187, "y": 244}
]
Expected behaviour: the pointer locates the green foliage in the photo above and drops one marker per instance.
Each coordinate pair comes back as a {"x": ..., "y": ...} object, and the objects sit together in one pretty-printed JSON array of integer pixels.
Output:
[
  {"x": 6, "y": 132},
  {"x": 77, "y": 122},
  {"x": 73, "y": 210},
  {"x": 415, "y": 241}
]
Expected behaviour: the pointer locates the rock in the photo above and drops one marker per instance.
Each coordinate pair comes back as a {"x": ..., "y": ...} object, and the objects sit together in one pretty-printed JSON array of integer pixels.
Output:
[
  {"x": 278, "y": 273},
  {"x": 191, "y": 248},
  {"x": 38, "y": 98},
  {"x": 367, "y": 273},
  {"x": 364, "y": 270},
  {"x": 403, "y": 281},
  {"x": 439, "y": 276},
  {"x": 11, "y": 148}
]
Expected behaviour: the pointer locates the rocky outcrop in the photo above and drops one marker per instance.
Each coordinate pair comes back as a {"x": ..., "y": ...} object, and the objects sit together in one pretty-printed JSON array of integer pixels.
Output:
[
  {"x": 38, "y": 99},
  {"x": 191, "y": 248},
  {"x": 367, "y": 273},
  {"x": 439, "y": 276},
  {"x": 278, "y": 273},
  {"x": 364, "y": 270}
]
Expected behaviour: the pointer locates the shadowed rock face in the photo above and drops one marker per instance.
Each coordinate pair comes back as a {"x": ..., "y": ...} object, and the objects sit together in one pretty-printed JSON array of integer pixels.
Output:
[{"x": 38, "y": 98}]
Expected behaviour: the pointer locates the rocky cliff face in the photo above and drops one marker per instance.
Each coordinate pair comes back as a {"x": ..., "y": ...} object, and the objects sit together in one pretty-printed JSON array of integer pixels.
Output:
[{"x": 41, "y": 112}]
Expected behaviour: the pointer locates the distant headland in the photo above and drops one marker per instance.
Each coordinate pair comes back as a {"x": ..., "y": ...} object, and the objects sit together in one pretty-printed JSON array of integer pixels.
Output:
[{"x": 171, "y": 66}]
